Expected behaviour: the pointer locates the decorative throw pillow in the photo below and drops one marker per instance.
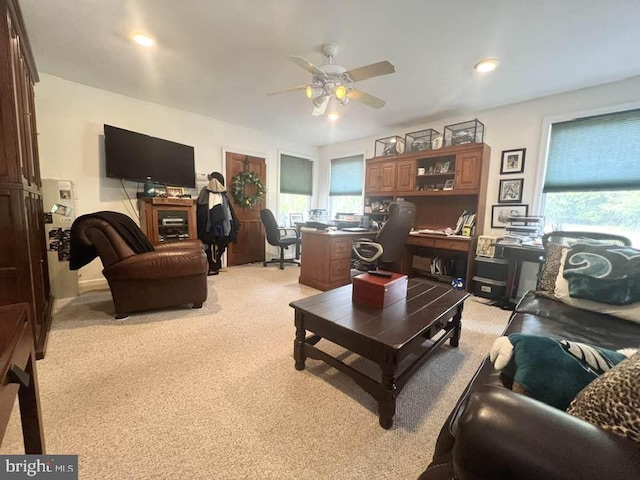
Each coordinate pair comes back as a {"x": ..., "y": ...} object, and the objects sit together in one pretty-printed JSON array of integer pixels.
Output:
[
  {"x": 552, "y": 371},
  {"x": 550, "y": 269},
  {"x": 603, "y": 273},
  {"x": 612, "y": 401},
  {"x": 627, "y": 312}
]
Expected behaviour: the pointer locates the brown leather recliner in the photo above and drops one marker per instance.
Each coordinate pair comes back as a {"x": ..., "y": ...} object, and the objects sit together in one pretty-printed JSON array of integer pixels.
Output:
[{"x": 174, "y": 274}]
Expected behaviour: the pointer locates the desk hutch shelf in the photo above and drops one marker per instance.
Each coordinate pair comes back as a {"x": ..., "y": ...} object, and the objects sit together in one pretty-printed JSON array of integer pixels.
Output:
[{"x": 462, "y": 170}]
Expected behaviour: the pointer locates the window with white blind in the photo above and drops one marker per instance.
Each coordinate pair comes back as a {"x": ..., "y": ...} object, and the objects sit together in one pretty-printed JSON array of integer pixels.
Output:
[
  {"x": 592, "y": 179},
  {"x": 345, "y": 189},
  {"x": 296, "y": 189}
]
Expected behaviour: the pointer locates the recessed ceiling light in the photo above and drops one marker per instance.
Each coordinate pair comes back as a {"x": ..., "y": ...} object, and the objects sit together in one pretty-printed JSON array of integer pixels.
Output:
[
  {"x": 143, "y": 40},
  {"x": 333, "y": 116},
  {"x": 486, "y": 65}
]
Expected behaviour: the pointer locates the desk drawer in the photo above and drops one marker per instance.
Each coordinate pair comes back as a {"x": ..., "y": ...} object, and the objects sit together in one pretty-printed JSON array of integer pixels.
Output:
[
  {"x": 340, "y": 248},
  {"x": 462, "y": 246},
  {"x": 340, "y": 270},
  {"x": 421, "y": 241}
]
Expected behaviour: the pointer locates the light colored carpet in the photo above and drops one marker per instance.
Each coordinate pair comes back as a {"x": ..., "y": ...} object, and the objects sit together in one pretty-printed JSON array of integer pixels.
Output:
[{"x": 213, "y": 393}]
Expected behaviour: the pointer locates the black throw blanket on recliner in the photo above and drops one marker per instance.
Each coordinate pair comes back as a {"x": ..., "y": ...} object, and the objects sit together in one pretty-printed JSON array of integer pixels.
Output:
[{"x": 81, "y": 254}]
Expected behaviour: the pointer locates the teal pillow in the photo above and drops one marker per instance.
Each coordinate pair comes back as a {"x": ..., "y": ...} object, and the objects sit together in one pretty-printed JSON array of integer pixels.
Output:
[{"x": 552, "y": 371}]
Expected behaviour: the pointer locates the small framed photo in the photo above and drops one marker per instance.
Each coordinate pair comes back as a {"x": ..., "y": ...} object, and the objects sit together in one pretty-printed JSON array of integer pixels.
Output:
[
  {"x": 448, "y": 185},
  {"x": 512, "y": 161},
  {"x": 500, "y": 213},
  {"x": 175, "y": 191},
  {"x": 445, "y": 167},
  {"x": 510, "y": 191},
  {"x": 438, "y": 167}
]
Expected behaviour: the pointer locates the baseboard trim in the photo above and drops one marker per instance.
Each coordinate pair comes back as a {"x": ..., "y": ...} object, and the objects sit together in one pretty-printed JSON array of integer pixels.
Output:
[{"x": 91, "y": 285}]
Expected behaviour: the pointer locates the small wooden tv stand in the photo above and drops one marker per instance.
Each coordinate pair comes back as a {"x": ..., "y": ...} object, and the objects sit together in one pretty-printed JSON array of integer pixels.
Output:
[{"x": 168, "y": 219}]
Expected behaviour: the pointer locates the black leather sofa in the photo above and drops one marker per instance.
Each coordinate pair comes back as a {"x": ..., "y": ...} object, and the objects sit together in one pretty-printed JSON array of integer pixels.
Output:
[{"x": 494, "y": 433}]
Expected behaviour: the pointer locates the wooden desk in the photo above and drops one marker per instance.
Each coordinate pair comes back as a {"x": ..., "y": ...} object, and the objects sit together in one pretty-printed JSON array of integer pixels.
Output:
[
  {"x": 18, "y": 374},
  {"x": 444, "y": 246},
  {"x": 326, "y": 257}
]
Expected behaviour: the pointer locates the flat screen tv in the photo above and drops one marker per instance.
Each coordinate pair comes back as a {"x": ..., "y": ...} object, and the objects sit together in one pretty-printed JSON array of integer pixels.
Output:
[{"x": 134, "y": 156}]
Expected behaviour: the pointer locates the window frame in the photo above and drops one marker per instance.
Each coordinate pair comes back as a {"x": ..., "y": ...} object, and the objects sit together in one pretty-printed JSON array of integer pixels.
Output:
[{"x": 545, "y": 139}]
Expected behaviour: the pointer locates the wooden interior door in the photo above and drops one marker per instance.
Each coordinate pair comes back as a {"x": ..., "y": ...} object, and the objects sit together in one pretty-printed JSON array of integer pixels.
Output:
[{"x": 250, "y": 246}]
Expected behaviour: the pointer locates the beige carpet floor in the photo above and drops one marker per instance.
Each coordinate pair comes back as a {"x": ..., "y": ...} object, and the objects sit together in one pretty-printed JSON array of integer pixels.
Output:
[{"x": 213, "y": 393}]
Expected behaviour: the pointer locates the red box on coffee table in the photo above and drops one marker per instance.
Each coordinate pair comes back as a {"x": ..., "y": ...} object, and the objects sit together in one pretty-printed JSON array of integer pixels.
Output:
[{"x": 377, "y": 291}]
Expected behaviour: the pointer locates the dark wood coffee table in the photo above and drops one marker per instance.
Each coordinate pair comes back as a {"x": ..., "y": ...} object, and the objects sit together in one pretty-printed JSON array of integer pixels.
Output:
[{"x": 385, "y": 336}]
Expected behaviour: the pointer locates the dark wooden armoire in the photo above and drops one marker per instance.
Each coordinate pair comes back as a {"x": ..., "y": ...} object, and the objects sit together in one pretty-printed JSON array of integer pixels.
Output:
[{"x": 24, "y": 275}]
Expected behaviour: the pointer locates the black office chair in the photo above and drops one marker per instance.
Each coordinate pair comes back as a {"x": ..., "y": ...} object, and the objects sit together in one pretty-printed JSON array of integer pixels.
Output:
[
  {"x": 279, "y": 237},
  {"x": 388, "y": 246}
]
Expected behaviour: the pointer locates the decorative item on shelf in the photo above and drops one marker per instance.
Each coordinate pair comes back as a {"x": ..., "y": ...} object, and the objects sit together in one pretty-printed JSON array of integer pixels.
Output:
[
  {"x": 176, "y": 192},
  {"x": 152, "y": 189},
  {"x": 437, "y": 142},
  {"x": 421, "y": 171},
  {"x": 512, "y": 161},
  {"x": 445, "y": 167},
  {"x": 501, "y": 213},
  {"x": 510, "y": 191},
  {"x": 438, "y": 167},
  {"x": 471, "y": 131},
  {"x": 420, "y": 140},
  {"x": 239, "y": 181},
  {"x": 448, "y": 185},
  {"x": 389, "y": 146}
]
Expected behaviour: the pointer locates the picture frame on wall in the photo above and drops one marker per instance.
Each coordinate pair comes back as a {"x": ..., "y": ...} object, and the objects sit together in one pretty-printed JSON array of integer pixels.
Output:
[
  {"x": 500, "y": 213},
  {"x": 512, "y": 161},
  {"x": 511, "y": 191}
]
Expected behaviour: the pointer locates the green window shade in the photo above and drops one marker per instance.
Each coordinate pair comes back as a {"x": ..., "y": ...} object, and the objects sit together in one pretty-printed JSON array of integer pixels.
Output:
[
  {"x": 296, "y": 175},
  {"x": 347, "y": 175},
  {"x": 595, "y": 153}
]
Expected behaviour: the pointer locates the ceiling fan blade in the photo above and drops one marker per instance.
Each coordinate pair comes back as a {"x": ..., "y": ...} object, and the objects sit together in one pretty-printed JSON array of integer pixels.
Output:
[
  {"x": 369, "y": 71},
  {"x": 292, "y": 89},
  {"x": 320, "y": 109},
  {"x": 366, "y": 98},
  {"x": 306, "y": 64}
]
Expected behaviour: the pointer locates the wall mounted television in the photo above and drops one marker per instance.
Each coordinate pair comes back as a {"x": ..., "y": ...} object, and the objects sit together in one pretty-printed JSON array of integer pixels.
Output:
[{"x": 135, "y": 156}]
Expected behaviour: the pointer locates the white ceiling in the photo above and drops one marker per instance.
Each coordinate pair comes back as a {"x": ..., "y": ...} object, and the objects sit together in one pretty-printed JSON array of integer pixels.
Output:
[{"x": 220, "y": 58}]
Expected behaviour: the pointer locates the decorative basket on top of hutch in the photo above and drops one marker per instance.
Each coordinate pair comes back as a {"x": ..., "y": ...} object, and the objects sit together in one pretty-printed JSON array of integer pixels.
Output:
[
  {"x": 24, "y": 272},
  {"x": 442, "y": 183}
]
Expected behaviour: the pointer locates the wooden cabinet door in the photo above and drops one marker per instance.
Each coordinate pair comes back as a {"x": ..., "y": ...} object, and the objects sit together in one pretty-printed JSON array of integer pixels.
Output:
[
  {"x": 468, "y": 168},
  {"x": 373, "y": 177},
  {"x": 406, "y": 178},
  {"x": 388, "y": 177}
]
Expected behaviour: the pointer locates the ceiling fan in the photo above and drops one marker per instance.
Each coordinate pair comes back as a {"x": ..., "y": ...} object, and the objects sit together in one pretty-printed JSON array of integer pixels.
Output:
[{"x": 333, "y": 81}]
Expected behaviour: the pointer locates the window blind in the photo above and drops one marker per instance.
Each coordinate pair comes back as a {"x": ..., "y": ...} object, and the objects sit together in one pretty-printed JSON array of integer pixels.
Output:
[
  {"x": 296, "y": 175},
  {"x": 347, "y": 176},
  {"x": 595, "y": 153}
]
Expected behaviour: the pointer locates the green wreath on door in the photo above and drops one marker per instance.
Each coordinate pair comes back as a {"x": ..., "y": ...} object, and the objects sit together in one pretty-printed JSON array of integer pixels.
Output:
[{"x": 238, "y": 184}]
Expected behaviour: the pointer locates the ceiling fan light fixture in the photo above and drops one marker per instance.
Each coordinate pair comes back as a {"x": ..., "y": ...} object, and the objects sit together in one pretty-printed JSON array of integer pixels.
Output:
[
  {"x": 343, "y": 101},
  {"x": 314, "y": 92},
  {"x": 318, "y": 101},
  {"x": 340, "y": 92},
  {"x": 333, "y": 116}
]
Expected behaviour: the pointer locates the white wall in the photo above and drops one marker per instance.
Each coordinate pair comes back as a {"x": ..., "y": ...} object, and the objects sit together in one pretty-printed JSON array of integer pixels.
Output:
[
  {"x": 70, "y": 124},
  {"x": 514, "y": 126}
]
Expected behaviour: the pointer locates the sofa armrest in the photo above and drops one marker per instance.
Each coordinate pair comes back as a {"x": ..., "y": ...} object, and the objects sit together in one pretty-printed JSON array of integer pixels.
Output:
[
  {"x": 158, "y": 265},
  {"x": 505, "y": 435},
  {"x": 181, "y": 245}
]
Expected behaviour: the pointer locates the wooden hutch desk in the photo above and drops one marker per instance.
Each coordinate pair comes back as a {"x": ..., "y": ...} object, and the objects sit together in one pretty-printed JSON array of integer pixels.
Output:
[{"x": 396, "y": 177}]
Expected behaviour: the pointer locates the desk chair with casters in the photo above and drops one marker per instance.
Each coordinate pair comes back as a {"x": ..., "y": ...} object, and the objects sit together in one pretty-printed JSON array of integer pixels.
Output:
[
  {"x": 279, "y": 237},
  {"x": 388, "y": 246}
]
